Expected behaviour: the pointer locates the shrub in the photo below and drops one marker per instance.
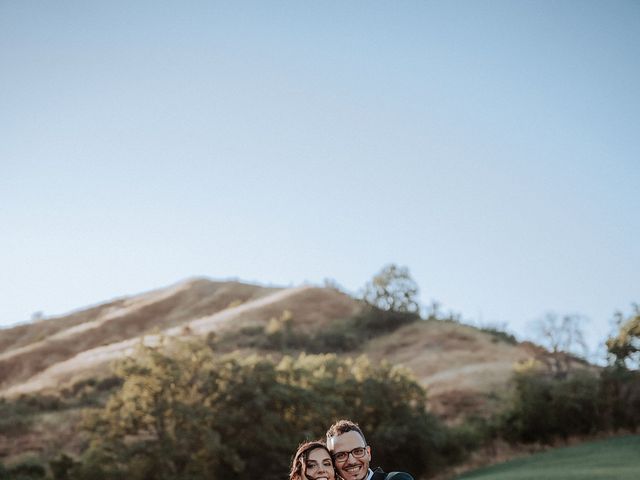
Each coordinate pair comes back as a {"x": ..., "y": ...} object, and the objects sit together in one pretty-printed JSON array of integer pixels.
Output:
[
  {"x": 27, "y": 470},
  {"x": 61, "y": 467},
  {"x": 544, "y": 407},
  {"x": 620, "y": 398},
  {"x": 499, "y": 335},
  {"x": 191, "y": 414},
  {"x": 341, "y": 335}
]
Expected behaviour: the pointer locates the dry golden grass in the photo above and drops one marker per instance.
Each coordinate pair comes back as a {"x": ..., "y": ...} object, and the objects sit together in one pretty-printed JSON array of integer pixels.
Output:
[
  {"x": 195, "y": 307},
  {"x": 463, "y": 368},
  {"x": 29, "y": 350}
]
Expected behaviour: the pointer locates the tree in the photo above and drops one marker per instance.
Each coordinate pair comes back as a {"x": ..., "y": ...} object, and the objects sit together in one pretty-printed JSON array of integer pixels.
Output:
[
  {"x": 544, "y": 407},
  {"x": 624, "y": 349},
  {"x": 187, "y": 413},
  {"x": 563, "y": 337},
  {"x": 61, "y": 467},
  {"x": 392, "y": 290}
]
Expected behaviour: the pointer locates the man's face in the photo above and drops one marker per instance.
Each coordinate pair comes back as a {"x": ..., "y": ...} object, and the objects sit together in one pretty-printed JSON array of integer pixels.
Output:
[{"x": 351, "y": 468}]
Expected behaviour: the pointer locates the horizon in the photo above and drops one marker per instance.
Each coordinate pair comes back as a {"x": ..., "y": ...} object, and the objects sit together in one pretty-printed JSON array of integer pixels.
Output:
[{"x": 491, "y": 148}]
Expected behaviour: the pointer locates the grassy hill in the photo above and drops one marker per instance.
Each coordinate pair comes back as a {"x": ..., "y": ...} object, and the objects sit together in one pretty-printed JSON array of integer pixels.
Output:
[
  {"x": 611, "y": 459},
  {"x": 455, "y": 361},
  {"x": 55, "y": 367}
]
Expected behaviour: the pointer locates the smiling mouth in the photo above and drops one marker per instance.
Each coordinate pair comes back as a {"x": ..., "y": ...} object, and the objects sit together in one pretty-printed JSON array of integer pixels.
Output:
[{"x": 352, "y": 469}]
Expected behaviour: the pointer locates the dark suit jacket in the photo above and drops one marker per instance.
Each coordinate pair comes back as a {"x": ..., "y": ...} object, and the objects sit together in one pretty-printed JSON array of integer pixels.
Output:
[{"x": 378, "y": 474}]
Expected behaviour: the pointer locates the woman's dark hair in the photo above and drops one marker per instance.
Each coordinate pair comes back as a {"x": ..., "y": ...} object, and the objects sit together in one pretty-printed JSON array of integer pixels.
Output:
[{"x": 301, "y": 456}]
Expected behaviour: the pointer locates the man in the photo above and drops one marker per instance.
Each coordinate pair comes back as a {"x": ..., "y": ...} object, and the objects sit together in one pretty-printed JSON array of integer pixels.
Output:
[{"x": 351, "y": 454}]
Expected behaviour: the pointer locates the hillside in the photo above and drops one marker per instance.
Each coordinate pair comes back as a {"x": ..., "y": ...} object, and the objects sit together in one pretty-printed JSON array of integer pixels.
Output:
[
  {"x": 459, "y": 364},
  {"x": 463, "y": 368},
  {"x": 32, "y": 355},
  {"x": 53, "y": 353}
]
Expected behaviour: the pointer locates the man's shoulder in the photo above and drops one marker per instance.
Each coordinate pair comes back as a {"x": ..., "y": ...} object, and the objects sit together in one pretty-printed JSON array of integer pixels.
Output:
[
  {"x": 378, "y": 474},
  {"x": 398, "y": 476}
]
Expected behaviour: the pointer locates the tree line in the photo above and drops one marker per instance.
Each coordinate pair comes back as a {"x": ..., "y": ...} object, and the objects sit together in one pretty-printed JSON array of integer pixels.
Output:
[{"x": 185, "y": 413}]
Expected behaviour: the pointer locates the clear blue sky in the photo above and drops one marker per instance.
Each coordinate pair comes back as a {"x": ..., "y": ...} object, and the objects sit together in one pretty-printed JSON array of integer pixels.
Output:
[{"x": 493, "y": 147}]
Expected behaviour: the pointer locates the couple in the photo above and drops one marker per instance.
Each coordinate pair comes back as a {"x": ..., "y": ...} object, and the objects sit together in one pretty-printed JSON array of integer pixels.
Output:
[{"x": 346, "y": 454}]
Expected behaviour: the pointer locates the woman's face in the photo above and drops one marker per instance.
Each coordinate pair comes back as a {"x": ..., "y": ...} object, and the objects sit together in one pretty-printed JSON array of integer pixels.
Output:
[{"x": 319, "y": 465}]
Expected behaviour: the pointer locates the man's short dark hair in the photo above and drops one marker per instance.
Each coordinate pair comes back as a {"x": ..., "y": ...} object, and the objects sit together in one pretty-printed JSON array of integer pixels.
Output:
[{"x": 344, "y": 426}]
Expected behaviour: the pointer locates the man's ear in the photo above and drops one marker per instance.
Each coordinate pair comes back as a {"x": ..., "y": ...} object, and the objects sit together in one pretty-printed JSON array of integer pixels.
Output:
[{"x": 369, "y": 451}]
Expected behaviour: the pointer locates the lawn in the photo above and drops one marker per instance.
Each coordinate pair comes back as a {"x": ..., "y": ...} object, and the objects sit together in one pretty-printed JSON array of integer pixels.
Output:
[{"x": 612, "y": 459}]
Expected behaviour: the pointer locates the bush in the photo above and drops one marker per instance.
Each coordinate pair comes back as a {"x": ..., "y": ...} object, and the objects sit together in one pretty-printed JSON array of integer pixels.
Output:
[
  {"x": 499, "y": 335},
  {"x": 27, "y": 470},
  {"x": 13, "y": 422},
  {"x": 193, "y": 415},
  {"x": 374, "y": 322},
  {"x": 545, "y": 407},
  {"x": 16, "y": 415},
  {"x": 341, "y": 335},
  {"x": 620, "y": 398},
  {"x": 61, "y": 467}
]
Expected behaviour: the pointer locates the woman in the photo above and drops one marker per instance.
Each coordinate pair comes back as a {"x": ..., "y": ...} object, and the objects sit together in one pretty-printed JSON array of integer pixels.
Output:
[{"x": 312, "y": 462}]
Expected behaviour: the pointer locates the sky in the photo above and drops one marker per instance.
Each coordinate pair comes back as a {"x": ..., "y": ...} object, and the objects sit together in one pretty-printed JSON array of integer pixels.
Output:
[{"x": 492, "y": 147}]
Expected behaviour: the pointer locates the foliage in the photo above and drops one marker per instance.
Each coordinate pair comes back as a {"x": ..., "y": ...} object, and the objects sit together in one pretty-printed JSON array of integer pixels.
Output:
[
  {"x": 86, "y": 392},
  {"x": 434, "y": 312},
  {"x": 499, "y": 334},
  {"x": 545, "y": 407},
  {"x": 61, "y": 467},
  {"x": 189, "y": 414},
  {"x": 624, "y": 349},
  {"x": 341, "y": 335},
  {"x": 349, "y": 334},
  {"x": 18, "y": 415},
  {"x": 279, "y": 334},
  {"x": 392, "y": 289},
  {"x": 15, "y": 416},
  {"x": 476, "y": 431},
  {"x": 620, "y": 398},
  {"x": 25, "y": 470},
  {"x": 562, "y": 335}
]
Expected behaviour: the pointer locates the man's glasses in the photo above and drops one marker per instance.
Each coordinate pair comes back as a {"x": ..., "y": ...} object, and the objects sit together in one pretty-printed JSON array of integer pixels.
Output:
[{"x": 341, "y": 457}]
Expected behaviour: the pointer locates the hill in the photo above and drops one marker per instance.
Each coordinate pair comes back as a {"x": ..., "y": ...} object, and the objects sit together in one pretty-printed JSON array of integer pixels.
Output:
[
  {"x": 52, "y": 354},
  {"x": 459, "y": 364},
  {"x": 614, "y": 458},
  {"x": 48, "y": 353},
  {"x": 464, "y": 368}
]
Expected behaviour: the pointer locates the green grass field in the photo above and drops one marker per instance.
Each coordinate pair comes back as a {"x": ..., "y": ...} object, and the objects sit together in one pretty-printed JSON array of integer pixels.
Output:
[{"x": 612, "y": 459}]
